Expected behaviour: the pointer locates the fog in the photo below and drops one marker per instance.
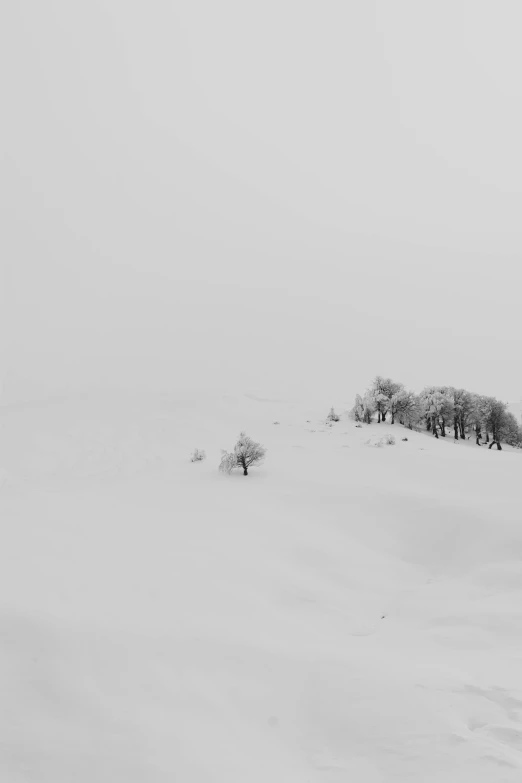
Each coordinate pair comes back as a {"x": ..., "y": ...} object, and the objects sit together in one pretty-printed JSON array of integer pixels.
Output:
[{"x": 282, "y": 198}]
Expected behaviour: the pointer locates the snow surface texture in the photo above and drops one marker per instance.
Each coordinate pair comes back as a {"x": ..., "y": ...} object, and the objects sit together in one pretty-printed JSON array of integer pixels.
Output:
[{"x": 344, "y": 613}]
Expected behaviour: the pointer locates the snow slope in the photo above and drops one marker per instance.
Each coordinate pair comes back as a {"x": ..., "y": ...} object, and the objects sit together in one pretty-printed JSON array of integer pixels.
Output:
[{"x": 345, "y": 613}]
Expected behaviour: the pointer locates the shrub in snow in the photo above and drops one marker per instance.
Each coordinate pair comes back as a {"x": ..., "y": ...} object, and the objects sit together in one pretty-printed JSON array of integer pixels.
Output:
[
  {"x": 332, "y": 416},
  {"x": 247, "y": 453},
  {"x": 374, "y": 441},
  {"x": 198, "y": 455},
  {"x": 405, "y": 438},
  {"x": 386, "y": 440},
  {"x": 276, "y": 422}
]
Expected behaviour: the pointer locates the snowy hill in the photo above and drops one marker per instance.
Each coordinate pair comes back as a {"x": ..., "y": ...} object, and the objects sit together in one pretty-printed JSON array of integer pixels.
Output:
[{"x": 348, "y": 612}]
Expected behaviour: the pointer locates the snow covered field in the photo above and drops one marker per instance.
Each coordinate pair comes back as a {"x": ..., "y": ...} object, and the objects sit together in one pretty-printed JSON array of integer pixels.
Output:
[{"x": 345, "y": 613}]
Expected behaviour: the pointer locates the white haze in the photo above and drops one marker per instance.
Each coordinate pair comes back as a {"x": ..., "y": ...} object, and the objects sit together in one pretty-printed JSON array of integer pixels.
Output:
[{"x": 282, "y": 197}]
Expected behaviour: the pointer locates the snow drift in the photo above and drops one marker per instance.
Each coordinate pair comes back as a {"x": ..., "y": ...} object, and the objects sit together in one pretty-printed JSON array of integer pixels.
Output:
[{"x": 346, "y": 613}]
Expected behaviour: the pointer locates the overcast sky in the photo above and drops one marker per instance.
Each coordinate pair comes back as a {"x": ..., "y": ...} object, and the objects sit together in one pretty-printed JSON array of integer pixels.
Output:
[{"x": 283, "y": 197}]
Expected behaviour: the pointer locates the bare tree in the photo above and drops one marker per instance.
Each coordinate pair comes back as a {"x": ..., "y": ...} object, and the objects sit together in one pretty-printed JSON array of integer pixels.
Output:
[{"x": 247, "y": 453}]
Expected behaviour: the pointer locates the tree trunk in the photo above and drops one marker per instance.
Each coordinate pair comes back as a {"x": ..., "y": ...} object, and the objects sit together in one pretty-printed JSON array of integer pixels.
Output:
[
  {"x": 456, "y": 428},
  {"x": 499, "y": 447},
  {"x": 393, "y": 418},
  {"x": 443, "y": 428},
  {"x": 245, "y": 472},
  {"x": 487, "y": 437},
  {"x": 428, "y": 424},
  {"x": 379, "y": 416},
  {"x": 434, "y": 425},
  {"x": 462, "y": 430},
  {"x": 383, "y": 417}
]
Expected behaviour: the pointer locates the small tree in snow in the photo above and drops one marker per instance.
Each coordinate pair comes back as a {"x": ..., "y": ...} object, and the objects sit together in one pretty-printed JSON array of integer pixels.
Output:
[
  {"x": 247, "y": 453},
  {"x": 228, "y": 462},
  {"x": 332, "y": 416},
  {"x": 368, "y": 408},
  {"x": 357, "y": 412},
  {"x": 198, "y": 455}
]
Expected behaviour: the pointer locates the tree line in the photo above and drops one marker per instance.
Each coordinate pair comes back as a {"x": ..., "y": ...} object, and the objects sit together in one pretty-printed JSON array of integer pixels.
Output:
[{"x": 440, "y": 410}]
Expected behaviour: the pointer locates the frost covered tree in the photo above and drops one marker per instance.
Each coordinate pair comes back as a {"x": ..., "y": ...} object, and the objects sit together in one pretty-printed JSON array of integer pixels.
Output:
[
  {"x": 425, "y": 398},
  {"x": 447, "y": 409},
  {"x": 436, "y": 406},
  {"x": 477, "y": 418},
  {"x": 512, "y": 430},
  {"x": 332, "y": 416},
  {"x": 364, "y": 409},
  {"x": 497, "y": 422},
  {"x": 228, "y": 462},
  {"x": 357, "y": 411},
  {"x": 381, "y": 391},
  {"x": 441, "y": 408},
  {"x": 485, "y": 406},
  {"x": 368, "y": 408},
  {"x": 455, "y": 398},
  {"x": 464, "y": 405},
  {"x": 395, "y": 402},
  {"x": 405, "y": 406},
  {"x": 247, "y": 453},
  {"x": 400, "y": 402}
]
